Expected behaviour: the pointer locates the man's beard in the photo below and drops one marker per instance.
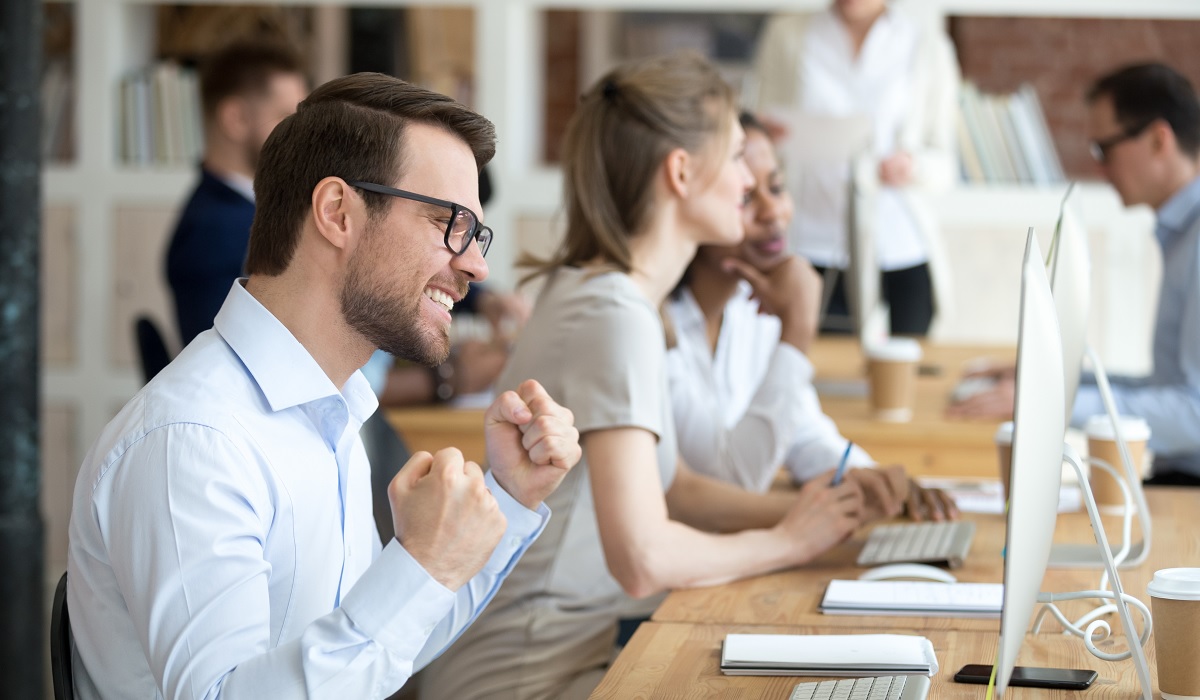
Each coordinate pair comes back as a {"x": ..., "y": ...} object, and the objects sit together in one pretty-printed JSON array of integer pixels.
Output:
[{"x": 389, "y": 323}]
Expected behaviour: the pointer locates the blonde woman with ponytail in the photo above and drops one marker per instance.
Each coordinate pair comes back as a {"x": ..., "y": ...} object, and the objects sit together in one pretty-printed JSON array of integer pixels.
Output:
[{"x": 653, "y": 169}]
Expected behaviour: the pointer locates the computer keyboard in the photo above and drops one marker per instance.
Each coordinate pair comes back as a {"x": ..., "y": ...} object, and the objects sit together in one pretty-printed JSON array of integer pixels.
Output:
[
  {"x": 874, "y": 688},
  {"x": 933, "y": 543}
]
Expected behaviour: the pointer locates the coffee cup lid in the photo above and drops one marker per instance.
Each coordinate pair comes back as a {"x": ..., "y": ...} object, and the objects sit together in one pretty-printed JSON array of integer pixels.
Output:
[
  {"x": 895, "y": 350},
  {"x": 1175, "y": 584},
  {"x": 1004, "y": 433},
  {"x": 1132, "y": 428}
]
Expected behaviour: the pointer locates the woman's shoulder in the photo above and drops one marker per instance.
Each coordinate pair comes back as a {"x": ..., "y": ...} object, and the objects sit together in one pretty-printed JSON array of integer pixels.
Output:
[{"x": 596, "y": 291}]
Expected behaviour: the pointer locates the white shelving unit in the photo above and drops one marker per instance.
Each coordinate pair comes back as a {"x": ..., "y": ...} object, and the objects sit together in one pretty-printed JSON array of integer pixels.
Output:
[{"x": 115, "y": 36}]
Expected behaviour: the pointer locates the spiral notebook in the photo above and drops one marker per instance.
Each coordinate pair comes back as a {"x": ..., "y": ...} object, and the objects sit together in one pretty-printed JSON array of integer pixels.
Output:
[{"x": 849, "y": 655}]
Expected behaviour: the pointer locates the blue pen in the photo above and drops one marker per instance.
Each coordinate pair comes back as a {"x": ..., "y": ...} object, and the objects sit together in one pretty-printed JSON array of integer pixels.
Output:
[{"x": 841, "y": 470}]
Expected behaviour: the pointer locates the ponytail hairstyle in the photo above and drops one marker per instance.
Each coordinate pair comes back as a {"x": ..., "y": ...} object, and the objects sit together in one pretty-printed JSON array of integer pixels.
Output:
[{"x": 616, "y": 142}]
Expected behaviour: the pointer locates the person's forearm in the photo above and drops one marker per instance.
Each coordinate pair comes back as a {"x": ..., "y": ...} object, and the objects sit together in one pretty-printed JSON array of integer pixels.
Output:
[
  {"x": 674, "y": 556},
  {"x": 524, "y": 526},
  {"x": 715, "y": 506}
]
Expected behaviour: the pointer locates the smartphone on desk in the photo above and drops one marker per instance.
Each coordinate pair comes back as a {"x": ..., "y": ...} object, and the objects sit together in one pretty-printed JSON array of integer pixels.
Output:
[{"x": 1030, "y": 676}]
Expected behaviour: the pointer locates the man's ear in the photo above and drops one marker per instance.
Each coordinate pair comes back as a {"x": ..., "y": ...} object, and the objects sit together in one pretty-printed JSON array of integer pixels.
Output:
[
  {"x": 335, "y": 212},
  {"x": 232, "y": 119},
  {"x": 677, "y": 168},
  {"x": 1163, "y": 137}
]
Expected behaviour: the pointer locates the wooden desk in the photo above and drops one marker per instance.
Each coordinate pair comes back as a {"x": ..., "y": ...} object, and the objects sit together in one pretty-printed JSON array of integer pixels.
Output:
[
  {"x": 930, "y": 444},
  {"x": 792, "y": 597},
  {"x": 431, "y": 428},
  {"x": 665, "y": 660}
]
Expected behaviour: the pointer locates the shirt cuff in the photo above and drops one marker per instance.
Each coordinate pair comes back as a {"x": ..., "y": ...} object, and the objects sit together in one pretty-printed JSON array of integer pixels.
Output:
[
  {"x": 397, "y": 603},
  {"x": 524, "y": 526}
]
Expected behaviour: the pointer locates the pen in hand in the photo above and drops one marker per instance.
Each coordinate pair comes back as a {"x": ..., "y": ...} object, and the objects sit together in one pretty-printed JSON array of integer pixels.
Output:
[{"x": 841, "y": 469}]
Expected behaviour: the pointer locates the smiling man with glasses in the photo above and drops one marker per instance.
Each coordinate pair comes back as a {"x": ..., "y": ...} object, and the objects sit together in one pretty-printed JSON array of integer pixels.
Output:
[
  {"x": 1144, "y": 129},
  {"x": 222, "y": 542}
]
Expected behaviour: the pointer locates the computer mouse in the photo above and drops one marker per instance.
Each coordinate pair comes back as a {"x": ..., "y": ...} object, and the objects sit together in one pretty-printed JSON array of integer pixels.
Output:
[{"x": 921, "y": 571}]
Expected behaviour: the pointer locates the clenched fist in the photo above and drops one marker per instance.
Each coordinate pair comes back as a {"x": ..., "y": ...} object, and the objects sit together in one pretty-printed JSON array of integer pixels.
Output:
[
  {"x": 531, "y": 443},
  {"x": 445, "y": 516}
]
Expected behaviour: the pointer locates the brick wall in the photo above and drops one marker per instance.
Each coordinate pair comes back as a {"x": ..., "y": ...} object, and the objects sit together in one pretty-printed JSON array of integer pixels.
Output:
[
  {"x": 562, "y": 78},
  {"x": 1061, "y": 57}
]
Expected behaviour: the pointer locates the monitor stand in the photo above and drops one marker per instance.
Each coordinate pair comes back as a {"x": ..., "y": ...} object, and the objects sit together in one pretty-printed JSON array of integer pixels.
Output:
[
  {"x": 1088, "y": 556},
  {"x": 1118, "y": 597}
]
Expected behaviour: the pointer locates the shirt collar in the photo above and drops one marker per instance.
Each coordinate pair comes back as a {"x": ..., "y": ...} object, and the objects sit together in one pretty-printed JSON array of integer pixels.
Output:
[
  {"x": 1179, "y": 212},
  {"x": 283, "y": 369},
  {"x": 238, "y": 183}
]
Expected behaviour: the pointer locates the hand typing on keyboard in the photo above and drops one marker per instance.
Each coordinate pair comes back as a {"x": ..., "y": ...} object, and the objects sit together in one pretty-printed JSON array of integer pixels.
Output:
[
  {"x": 885, "y": 491},
  {"x": 930, "y": 504}
]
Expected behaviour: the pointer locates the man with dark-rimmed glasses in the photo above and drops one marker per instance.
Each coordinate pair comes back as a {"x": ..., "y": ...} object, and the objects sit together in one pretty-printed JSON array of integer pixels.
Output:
[
  {"x": 222, "y": 541},
  {"x": 1144, "y": 130}
]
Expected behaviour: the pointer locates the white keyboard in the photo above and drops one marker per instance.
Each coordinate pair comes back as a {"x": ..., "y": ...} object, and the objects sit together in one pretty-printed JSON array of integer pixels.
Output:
[
  {"x": 935, "y": 543},
  {"x": 875, "y": 688}
]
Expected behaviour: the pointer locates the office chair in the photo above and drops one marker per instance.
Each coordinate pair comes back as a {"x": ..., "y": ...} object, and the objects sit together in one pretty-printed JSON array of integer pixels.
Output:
[
  {"x": 152, "y": 350},
  {"x": 60, "y": 644}
]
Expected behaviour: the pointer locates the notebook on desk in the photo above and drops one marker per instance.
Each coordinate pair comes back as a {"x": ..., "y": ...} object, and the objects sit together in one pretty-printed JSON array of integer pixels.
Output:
[
  {"x": 912, "y": 598},
  {"x": 850, "y": 655}
]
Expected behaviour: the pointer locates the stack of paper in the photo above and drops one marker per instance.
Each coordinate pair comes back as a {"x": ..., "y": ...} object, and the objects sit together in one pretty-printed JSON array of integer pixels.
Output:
[
  {"x": 913, "y": 598},
  {"x": 850, "y": 655}
]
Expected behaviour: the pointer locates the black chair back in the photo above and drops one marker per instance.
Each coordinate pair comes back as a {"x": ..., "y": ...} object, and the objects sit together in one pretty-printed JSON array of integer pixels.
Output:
[
  {"x": 60, "y": 644},
  {"x": 152, "y": 350}
]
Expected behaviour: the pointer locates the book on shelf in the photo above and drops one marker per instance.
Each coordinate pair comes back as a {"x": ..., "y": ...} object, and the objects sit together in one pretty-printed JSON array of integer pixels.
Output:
[
  {"x": 1004, "y": 138},
  {"x": 57, "y": 97},
  {"x": 161, "y": 122}
]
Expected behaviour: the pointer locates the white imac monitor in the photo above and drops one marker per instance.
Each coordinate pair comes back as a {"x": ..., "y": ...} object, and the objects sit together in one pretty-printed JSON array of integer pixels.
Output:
[
  {"x": 1037, "y": 453},
  {"x": 1070, "y": 281},
  {"x": 815, "y": 146}
]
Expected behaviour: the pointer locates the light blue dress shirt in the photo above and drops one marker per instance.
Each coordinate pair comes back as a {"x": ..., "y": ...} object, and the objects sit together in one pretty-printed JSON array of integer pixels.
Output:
[
  {"x": 1169, "y": 398},
  {"x": 222, "y": 543}
]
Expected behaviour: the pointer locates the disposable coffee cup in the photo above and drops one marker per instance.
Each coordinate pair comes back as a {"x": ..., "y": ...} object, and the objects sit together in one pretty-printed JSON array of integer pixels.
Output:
[
  {"x": 1004, "y": 452},
  {"x": 1175, "y": 605},
  {"x": 1102, "y": 444},
  {"x": 892, "y": 375}
]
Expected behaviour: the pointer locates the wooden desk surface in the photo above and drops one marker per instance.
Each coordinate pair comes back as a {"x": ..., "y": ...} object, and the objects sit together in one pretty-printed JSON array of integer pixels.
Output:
[
  {"x": 430, "y": 428},
  {"x": 673, "y": 660},
  {"x": 792, "y": 597},
  {"x": 930, "y": 444}
]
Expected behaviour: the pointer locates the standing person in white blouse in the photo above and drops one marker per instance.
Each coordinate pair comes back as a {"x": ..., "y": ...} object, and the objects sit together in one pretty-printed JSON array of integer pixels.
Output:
[
  {"x": 863, "y": 58},
  {"x": 740, "y": 383}
]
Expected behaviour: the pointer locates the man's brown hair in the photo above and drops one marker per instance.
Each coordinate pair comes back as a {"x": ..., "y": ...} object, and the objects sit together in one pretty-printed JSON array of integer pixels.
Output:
[
  {"x": 352, "y": 128},
  {"x": 244, "y": 68}
]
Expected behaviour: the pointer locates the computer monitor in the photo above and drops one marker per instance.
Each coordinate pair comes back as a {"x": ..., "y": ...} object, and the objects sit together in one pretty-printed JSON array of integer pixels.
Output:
[
  {"x": 1036, "y": 472},
  {"x": 1070, "y": 282},
  {"x": 869, "y": 315},
  {"x": 1038, "y": 452},
  {"x": 817, "y": 145}
]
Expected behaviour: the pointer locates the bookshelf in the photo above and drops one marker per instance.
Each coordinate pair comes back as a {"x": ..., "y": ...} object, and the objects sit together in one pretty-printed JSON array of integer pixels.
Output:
[{"x": 91, "y": 250}]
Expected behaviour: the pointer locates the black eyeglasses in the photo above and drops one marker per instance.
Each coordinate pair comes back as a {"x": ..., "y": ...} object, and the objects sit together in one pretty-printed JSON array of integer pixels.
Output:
[
  {"x": 1100, "y": 149},
  {"x": 462, "y": 228}
]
